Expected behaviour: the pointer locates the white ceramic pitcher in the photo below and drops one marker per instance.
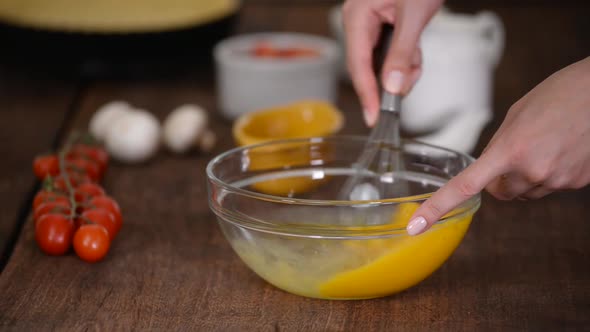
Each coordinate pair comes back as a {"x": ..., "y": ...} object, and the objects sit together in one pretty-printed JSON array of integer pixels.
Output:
[{"x": 452, "y": 100}]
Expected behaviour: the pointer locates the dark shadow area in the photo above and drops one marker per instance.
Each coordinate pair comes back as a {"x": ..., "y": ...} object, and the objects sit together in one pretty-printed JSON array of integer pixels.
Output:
[{"x": 99, "y": 56}]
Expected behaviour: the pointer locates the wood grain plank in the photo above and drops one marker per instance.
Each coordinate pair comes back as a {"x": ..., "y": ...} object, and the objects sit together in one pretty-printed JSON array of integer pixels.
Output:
[
  {"x": 32, "y": 109},
  {"x": 522, "y": 266}
]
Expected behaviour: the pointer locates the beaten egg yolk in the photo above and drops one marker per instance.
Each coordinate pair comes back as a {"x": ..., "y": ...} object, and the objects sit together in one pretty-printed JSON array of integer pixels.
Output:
[
  {"x": 355, "y": 269},
  {"x": 407, "y": 261}
]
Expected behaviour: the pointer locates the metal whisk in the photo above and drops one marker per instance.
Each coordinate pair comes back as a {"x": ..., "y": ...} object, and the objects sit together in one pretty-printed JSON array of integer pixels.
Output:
[{"x": 381, "y": 158}]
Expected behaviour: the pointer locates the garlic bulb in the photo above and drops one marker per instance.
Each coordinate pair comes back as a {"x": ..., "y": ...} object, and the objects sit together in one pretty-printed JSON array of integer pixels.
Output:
[
  {"x": 134, "y": 137},
  {"x": 184, "y": 127},
  {"x": 105, "y": 116}
]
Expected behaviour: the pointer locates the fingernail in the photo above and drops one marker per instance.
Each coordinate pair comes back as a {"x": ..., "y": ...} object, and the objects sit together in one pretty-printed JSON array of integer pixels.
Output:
[
  {"x": 370, "y": 117},
  {"x": 416, "y": 226},
  {"x": 394, "y": 82}
]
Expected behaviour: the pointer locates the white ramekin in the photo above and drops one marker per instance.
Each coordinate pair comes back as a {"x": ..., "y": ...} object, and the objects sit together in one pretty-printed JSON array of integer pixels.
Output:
[{"x": 246, "y": 83}]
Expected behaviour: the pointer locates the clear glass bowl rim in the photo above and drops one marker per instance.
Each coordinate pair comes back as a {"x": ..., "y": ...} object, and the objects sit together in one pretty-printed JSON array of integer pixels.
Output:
[{"x": 467, "y": 207}]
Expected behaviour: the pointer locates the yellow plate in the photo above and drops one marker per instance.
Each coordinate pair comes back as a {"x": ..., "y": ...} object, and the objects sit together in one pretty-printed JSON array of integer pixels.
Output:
[{"x": 114, "y": 16}]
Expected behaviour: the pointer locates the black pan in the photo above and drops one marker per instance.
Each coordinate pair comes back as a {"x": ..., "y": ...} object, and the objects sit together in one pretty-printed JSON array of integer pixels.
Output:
[{"x": 112, "y": 54}]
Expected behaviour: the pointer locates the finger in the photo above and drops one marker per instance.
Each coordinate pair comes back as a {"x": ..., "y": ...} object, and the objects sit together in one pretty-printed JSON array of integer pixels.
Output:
[
  {"x": 362, "y": 30},
  {"x": 459, "y": 189},
  {"x": 411, "y": 19},
  {"x": 417, "y": 57},
  {"x": 497, "y": 134},
  {"x": 503, "y": 127},
  {"x": 537, "y": 192},
  {"x": 509, "y": 186},
  {"x": 416, "y": 69}
]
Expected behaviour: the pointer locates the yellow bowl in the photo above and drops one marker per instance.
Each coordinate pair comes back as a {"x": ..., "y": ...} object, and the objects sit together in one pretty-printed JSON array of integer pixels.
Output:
[
  {"x": 309, "y": 118},
  {"x": 302, "y": 119}
]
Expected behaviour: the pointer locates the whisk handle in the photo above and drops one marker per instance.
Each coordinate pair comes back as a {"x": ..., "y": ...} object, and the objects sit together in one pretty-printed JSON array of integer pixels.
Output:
[{"x": 391, "y": 102}]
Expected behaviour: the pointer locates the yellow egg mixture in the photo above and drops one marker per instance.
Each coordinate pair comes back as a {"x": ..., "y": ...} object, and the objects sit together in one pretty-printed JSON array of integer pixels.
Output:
[{"x": 354, "y": 269}]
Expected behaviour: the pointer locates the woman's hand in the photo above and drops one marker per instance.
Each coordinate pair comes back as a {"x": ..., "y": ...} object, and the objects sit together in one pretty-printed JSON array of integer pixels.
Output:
[
  {"x": 542, "y": 146},
  {"x": 363, "y": 20}
]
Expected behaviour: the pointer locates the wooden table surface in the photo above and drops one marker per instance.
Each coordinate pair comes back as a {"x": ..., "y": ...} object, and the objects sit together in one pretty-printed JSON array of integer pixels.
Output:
[{"x": 522, "y": 265}]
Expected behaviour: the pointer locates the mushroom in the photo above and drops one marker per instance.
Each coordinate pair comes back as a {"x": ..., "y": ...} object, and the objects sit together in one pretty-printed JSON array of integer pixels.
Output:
[
  {"x": 208, "y": 140},
  {"x": 133, "y": 137},
  {"x": 105, "y": 116},
  {"x": 186, "y": 128}
]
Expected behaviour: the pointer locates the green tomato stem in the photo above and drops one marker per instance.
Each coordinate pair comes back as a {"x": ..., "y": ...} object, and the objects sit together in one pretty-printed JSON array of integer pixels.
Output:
[{"x": 62, "y": 166}]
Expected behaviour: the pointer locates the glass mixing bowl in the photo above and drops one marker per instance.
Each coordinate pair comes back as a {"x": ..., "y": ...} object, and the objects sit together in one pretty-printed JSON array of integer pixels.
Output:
[{"x": 308, "y": 242}]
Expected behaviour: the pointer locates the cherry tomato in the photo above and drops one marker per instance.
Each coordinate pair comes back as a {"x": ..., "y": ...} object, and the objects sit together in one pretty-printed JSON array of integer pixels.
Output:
[
  {"x": 53, "y": 234},
  {"x": 46, "y": 165},
  {"x": 95, "y": 153},
  {"x": 263, "y": 49},
  {"x": 267, "y": 50},
  {"x": 49, "y": 196},
  {"x": 109, "y": 204},
  {"x": 56, "y": 207},
  {"x": 87, "y": 190},
  {"x": 91, "y": 242},
  {"x": 84, "y": 166},
  {"x": 100, "y": 217},
  {"x": 76, "y": 179}
]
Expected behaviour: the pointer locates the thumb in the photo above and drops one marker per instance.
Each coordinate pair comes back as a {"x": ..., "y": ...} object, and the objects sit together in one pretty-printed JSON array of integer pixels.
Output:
[
  {"x": 458, "y": 190},
  {"x": 403, "y": 61}
]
